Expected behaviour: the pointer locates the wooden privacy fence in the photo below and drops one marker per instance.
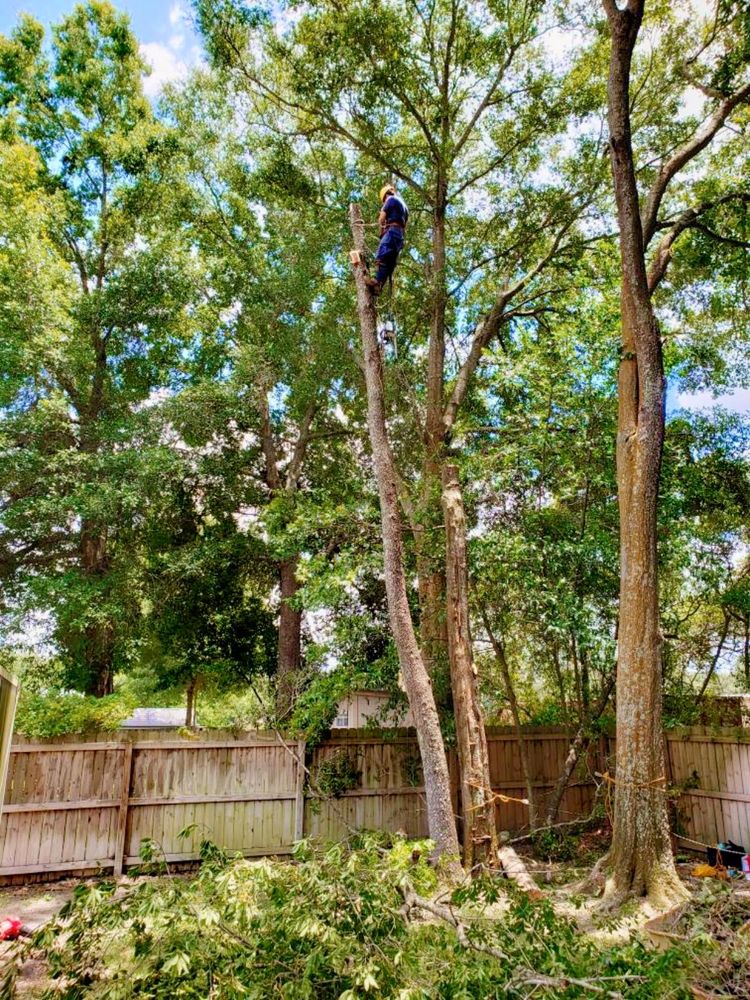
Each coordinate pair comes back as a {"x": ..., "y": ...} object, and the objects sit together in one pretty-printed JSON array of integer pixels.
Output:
[{"x": 77, "y": 807}]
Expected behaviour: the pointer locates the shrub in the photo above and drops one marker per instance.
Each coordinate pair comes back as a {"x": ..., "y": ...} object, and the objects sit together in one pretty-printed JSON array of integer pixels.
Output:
[{"x": 43, "y": 716}]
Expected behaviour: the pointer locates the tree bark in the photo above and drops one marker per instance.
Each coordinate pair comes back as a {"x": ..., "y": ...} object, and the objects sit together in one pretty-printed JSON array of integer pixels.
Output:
[
  {"x": 715, "y": 660},
  {"x": 479, "y": 829},
  {"x": 98, "y": 635},
  {"x": 191, "y": 697},
  {"x": 441, "y": 822},
  {"x": 290, "y": 639},
  {"x": 641, "y": 856},
  {"x": 289, "y": 652}
]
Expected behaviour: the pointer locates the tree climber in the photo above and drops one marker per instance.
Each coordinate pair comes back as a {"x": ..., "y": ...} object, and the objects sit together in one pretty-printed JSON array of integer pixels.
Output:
[{"x": 392, "y": 219}]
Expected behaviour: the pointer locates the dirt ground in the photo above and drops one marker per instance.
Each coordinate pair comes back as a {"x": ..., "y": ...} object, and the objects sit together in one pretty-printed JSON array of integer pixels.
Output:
[{"x": 33, "y": 905}]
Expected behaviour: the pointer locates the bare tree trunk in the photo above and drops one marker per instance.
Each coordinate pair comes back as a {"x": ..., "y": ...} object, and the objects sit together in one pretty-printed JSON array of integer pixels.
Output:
[
  {"x": 289, "y": 656},
  {"x": 479, "y": 830},
  {"x": 191, "y": 697},
  {"x": 560, "y": 681},
  {"x": 641, "y": 856},
  {"x": 290, "y": 639},
  {"x": 98, "y": 635},
  {"x": 432, "y": 584},
  {"x": 441, "y": 821},
  {"x": 523, "y": 751},
  {"x": 715, "y": 660}
]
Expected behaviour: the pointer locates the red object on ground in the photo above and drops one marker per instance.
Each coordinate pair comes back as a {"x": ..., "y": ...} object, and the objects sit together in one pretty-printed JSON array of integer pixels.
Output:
[{"x": 10, "y": 928}]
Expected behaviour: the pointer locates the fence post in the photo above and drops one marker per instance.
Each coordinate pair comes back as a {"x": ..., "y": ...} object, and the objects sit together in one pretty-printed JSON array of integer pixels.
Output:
[
  {"x": 299, "y": 814},
  {"x": 122, "y": 815}
]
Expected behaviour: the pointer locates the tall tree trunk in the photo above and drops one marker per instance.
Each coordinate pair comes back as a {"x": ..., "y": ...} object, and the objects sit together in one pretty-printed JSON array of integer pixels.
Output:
[
  {"x": 432, "y": 583},
  {"x": 290, "y": 639},
  {"x": 98, "y": 635},
  {"x": 479, "y": 829},
  {"x": 440, "y": 817},
  {"x": 289, "y": 655},
  {"x": 641, "y": 856},
  {"x": 523, "y": 750}
]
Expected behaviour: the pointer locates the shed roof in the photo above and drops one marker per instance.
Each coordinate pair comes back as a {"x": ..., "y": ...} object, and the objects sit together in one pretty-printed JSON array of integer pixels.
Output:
[{"x": 155, "y": 718}]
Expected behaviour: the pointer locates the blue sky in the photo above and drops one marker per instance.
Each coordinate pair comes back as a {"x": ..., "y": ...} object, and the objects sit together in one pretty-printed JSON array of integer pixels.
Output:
[{"x": 163, "y": 27}]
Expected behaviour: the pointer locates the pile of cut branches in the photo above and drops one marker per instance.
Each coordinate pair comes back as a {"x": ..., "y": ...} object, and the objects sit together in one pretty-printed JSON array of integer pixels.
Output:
[{"x": 363, "y": 919}]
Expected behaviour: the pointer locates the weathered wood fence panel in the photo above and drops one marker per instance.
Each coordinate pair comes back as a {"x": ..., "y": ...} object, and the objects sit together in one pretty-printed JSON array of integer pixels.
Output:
[
  {"x": 546, "y": 749},
  {"x": 713, "y": 771},
  {"x": 389, "y": 794},
  {"x": 61, "y": 808},
  {"x": 240, "y": 796},
  {"x": 89, "y": 805}
]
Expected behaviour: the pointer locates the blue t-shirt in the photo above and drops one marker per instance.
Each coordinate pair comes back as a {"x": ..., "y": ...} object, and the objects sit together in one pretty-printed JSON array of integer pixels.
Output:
[{"x": 395, "y": 210}]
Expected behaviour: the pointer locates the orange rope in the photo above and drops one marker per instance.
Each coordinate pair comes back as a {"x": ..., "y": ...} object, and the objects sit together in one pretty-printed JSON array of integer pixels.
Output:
[
  {"x": 609, "y": 781},
  {"x": 494, "y": 796},
  {"x": 606, "y": 776}
]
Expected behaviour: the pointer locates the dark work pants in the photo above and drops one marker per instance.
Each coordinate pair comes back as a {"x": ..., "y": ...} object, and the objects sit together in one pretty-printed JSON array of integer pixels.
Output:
[{"x": 390, "y": 246}]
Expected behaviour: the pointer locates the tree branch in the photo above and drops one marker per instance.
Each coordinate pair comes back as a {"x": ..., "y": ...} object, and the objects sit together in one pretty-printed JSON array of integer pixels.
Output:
[
  {"x": 300, "y": 448},
  {"x": 490, "y": 325},
  {"x": 688, "y": 219},
  {"x": 684, "y": 155}
]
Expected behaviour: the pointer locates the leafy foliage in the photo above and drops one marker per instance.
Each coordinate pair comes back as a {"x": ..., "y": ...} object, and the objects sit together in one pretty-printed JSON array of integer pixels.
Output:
[{"x": 327, "y": 925}]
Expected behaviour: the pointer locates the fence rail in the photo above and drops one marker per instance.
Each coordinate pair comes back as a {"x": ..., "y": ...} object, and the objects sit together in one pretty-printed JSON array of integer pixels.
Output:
[{"x": 81, "y": 806}]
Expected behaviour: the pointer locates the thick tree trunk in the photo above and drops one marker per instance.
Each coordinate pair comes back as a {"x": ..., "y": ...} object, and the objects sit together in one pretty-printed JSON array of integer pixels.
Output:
[
  {"x": 290, "y": 639},
  {"x": 441, "y": 822},
  {"x": 523, "y": 752},
  {"x": 479, "y": 829},
  {"x": 98, "y": 636},
  {"x": 641, "y": 855}
]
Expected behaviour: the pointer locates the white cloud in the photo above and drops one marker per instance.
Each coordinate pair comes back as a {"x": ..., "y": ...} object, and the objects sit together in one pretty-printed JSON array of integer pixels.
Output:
[
  {"x": 177, "y": 13},
  {"x": 165, "y": 67},
  {"x": 176, "y": 42},
  {"x": 737, "y": 401}
]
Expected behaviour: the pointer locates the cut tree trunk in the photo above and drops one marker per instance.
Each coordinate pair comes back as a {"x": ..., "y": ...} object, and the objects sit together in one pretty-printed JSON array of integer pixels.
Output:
[
  {"x": 479, "y": 829},
  {"x": 440, "y": 819},
  {"x": 290, "y": 639},
  {"x": 641, "y": 856}
]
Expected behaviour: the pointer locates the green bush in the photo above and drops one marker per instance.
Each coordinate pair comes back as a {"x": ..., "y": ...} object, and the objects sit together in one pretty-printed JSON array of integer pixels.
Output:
[
  {"x": 327, "y": 926},
  {"x": 43, "y": 716}
]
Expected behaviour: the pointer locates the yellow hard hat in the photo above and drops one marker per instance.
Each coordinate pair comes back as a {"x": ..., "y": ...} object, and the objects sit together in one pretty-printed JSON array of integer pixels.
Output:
[{"x": 385, "y": 191}]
